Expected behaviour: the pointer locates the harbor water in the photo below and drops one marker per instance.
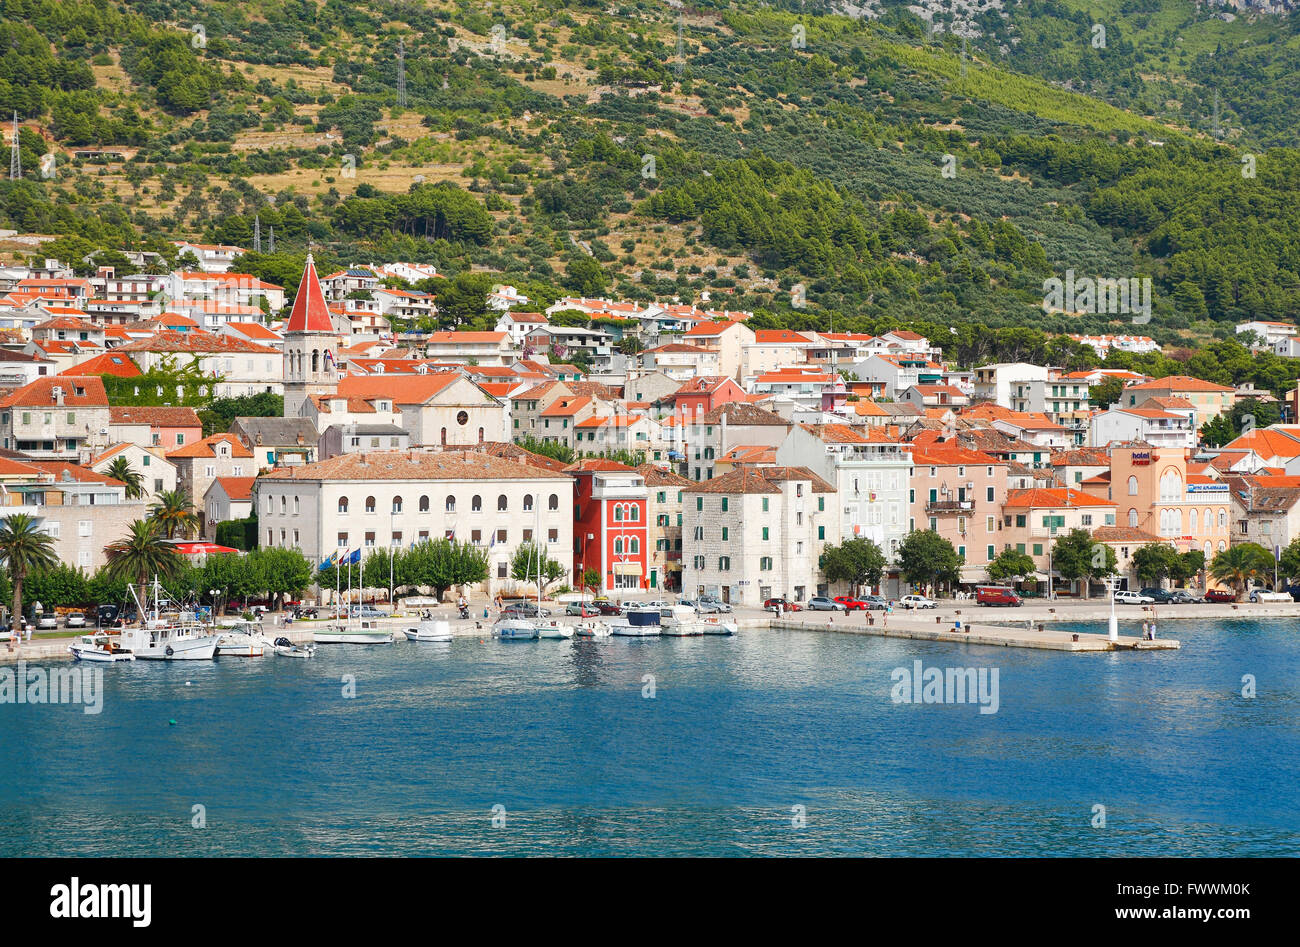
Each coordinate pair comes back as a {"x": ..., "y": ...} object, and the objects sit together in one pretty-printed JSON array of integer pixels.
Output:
[{"x": 768, "y": 743}]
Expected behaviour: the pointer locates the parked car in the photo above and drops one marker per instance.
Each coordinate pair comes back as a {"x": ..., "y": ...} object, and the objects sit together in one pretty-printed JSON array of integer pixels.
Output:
[
  {"x": 1129, "y": 597},
  {"x": 917, "y": 601},
  {"x": 876, "y": 602},
  {"x": 358, "y": 611},
  {"x": 609, "y": 608},
  {"x": 1264, "y": 595},
  {"x": 581, "y": 609},
  {"x": 1220, "y": 596},
  {"x": 48, "y": 621},
  {"x": 824, "y": 603},
  {"x": 851, "y": 604},
  {"x": 1159, "y": 596},
  {"x": 75, "y": 620},
  {"x": 786, "y": 605},
  {"x": 525, "y": 610},
  {"x": 712, "y": 606},
  {"x": 1186, "y": 597},
  {"x": 996, "y": 595}
]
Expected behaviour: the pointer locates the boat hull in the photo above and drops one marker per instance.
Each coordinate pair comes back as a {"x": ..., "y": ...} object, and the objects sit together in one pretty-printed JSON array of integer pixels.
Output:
[
  {"x": 96, "y": 656},
  {"x": 429, "y": 631},
  {"x": 514, "y": 629},
  {"x": 353, "y": 638},
  {"x": 184, "y": 649}
]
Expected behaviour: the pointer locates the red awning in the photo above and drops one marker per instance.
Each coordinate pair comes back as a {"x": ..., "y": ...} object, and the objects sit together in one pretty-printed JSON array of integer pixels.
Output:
[{"x": 202, "y": 549}]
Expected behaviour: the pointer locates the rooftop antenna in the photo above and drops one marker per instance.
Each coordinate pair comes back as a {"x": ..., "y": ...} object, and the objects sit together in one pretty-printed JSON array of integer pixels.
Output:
[
  {"x": 15, "y": 154},
  {"x": 401, "y": 72}
]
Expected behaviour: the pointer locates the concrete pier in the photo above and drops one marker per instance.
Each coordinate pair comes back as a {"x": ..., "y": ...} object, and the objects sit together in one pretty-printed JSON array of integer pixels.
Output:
[{"x": 995, "y": 636}]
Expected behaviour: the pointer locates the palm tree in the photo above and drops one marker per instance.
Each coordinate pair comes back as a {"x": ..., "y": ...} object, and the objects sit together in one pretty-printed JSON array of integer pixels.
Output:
[
  {"x": 121, "y": 469},
  {"x": 1237, "y": 565},
  {"x": 141, "y": 554},
  {"x": 174, "y": 514},
  {"x": 24, "y": 546}
]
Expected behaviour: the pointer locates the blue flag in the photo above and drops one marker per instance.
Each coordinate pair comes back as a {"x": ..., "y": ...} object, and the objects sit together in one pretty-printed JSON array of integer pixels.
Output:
[{"x": 355, "y": 558}]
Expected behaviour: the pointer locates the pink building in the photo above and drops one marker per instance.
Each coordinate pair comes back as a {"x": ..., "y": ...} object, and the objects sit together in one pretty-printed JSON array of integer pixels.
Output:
[{"x": 958, "y": 493}]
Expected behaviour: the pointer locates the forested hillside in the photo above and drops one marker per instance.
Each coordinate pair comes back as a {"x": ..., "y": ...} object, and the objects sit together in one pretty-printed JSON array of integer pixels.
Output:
[{"x": 812, "y": 166}]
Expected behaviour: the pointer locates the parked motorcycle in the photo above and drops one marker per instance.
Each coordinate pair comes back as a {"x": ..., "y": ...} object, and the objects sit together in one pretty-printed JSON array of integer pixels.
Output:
[{"x": 464, "y": 611}]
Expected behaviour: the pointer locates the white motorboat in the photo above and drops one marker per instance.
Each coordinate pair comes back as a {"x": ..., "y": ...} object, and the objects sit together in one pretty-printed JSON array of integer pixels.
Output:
[
  {"x": 592, "y": 629},
  {"x": 515, "y": 629},
  {"x": 285, "y": 648},
  {"x": 168, "y": 636},
  {"x": 367, "y": 631},
  {"x": 243, "y": 640},
  {"x": 719, "y": 626},
  {"x": 637, "y": 623},
  {"x": 99, "y": 648},
  {"x": 554, "y": 630},
  {"x": 436, "y": 630},
  {"x": 680, "y": 621}
]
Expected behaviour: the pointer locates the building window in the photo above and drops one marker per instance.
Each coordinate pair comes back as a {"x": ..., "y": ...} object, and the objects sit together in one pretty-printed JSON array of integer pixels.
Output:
[
  {"x": 554, "y": 502},
  {"x": 502, "y": 503},
  {"x": 724, "y": 534},
  {"x": 451, "y": 504},
  {"x": 476, "y": 504},
  {"x": 724, "y": 563},
  {"x": 699, "y": 503},
  {"x": 370, "y": 504},
  {"x": 764, "y": 504},
  {"x": 424, "y": 504},
  {"x": 397, "y": 504},
  {"x": 528, "y": 502},
  {"x": 764, "y": 534},
  {"x": 724, "y": 504},
  {"x": 1132, "y": 486},
  {"x": 765, "y": 564}
]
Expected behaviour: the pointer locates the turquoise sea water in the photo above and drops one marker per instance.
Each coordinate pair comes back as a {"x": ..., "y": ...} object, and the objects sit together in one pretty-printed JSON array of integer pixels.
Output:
[{"x": 739, "y": 732}]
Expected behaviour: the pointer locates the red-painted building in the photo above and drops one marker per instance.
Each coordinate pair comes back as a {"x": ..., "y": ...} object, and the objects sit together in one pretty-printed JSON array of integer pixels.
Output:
[
  {"x": 610, "y": 532},
  {"x": 701, "y": 395}
]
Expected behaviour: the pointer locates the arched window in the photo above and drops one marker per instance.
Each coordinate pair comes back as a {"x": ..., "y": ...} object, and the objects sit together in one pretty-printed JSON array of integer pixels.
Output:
[
  {"x": 636, "y": 512},
  {"x": 444, "y": 437},
  {"x": 315, "y": 360},
  {"x": 343, "y": 504},
  {"x": 424, "y": 504},
  {"x": 1208, "y": 549},
  {"x": 502, "y": 503},
  {"x": 1222, "y": 545},
  {"x": 370, "y": 504},
  {"x": 528, "y": 502},
  {"x": 397, "y": 504},
  {"x": 1171, "y": 486},
  {"x": 618, "y": 547},
  {"x": 480, "y": 435},
  {"x": 1132, "y": 486},
  {"x": 1193, "y": 522},
  {"x": 284, "y": 505},
  {"x": 1132, "y": 518},
  {"x": 1207, "y": 517},
  {"x": 554, "y": 503},
  {"x": 618, "y": 512},
  {"x": 635, "y": 545},
  {"x": 476, "y": 504},
  {"x": 451, "y": 504},
  {"x": 1223, "y": 524}
]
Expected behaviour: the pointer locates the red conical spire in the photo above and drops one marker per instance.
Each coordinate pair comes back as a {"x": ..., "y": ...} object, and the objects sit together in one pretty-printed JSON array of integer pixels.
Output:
[{"x": 309, "y": 314}]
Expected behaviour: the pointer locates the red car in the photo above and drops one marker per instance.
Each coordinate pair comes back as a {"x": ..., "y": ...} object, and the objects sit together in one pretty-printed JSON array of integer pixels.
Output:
[
  {"x": 1219, "y": 595},
  {"x": 771, "y": 604},
  {"x": 852, "y": 604}
]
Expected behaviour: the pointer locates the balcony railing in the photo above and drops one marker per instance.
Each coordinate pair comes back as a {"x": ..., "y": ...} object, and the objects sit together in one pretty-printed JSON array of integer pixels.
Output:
[{"x": 949, "y": 506}]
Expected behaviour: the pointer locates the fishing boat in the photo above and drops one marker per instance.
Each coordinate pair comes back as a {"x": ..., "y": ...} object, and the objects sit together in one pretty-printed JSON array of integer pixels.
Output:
[
  {"x": 99, "y": 648},
  {"x": 438, "y": 630},
  {"x": 554, "y": 630},
  {"x": 363, "y": 631},
  {"x": 285, "y": 648},
  {"x": 637, "y": 623},
  {"x": 162, "y": 635},
  {"x": 592, "y": 629},
  {"x": 244, "y": 639},
  {"x": 719, "y": 626}
]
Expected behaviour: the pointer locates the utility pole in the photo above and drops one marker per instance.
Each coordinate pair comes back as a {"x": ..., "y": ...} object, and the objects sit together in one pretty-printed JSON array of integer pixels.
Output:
[
  {"x": 257, "y": 234},
  {"x": 15, "y": 154},
  {"x": 401, "y": 72}
]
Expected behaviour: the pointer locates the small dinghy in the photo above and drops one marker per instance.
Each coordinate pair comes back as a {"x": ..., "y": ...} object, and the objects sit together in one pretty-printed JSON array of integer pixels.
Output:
[
  {"x": 287, "y": 649},
  {"x": 554, "y": 630},
  {"x": 592, "y": 629}
]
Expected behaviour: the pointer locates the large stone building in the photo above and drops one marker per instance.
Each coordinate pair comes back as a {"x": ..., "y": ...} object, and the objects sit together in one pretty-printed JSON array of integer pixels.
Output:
[
  {"x": 364, "y": 500},
  {"x": 757, "y": 533}
]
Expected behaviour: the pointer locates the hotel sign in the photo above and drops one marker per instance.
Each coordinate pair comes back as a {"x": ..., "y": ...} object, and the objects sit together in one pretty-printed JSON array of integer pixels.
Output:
[{"x": 1141, "y": 458}]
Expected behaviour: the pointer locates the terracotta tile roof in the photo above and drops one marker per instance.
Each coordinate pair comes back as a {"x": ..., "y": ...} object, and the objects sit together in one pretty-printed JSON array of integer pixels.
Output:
[
  {"x": 40, "y": 393},
  {"x": 759, "y": 480},
  {"x": 355, "y": 405},
  {"x": 519, "y": 455},
  {"x": 743, "y": 413},
  {"x": 659, "y": 477},
  {"x": 1266, "y": 443},
  {"x": 207, "y": 448},
  {"x": 402, "y": 389},
  {"x": 154, "y": 416},
  {"x": 1052, "y": 498},
  {"x": 780, "y": 337},
  {"x": 63, "y": 470},
  {"x": 421, "y": 466},
  {"x": 1125, "y": 534},
  {"x": 565, "y": 407},
  {"x": 466, "y": 338},
  {"x": 255, "y": 330},
  {"x": 309, "y": 313},
  {"x": 710, "y": 329},
  {"x": 947, "y": 455},
  {"x": 597, "y": 465},
  {"x": 1081, "y": 457},
  {"x": 237, "y": 488},
  {"x": 106, "y": 364},
  {"x": 1179, "y": 383},
  {"x": 198, "y": 342}
]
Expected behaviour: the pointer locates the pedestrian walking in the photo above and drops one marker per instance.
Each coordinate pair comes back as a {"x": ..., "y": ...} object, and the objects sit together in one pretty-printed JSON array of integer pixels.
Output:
[{"x": 1146, "y": 632}]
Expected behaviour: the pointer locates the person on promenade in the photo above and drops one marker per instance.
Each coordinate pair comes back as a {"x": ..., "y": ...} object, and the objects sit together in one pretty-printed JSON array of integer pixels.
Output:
[{"x": 1146, "y": 632}]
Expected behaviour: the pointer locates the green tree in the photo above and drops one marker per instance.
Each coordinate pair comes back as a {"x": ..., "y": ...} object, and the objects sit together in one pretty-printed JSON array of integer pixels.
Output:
[
  {"x": 1153, "y": 562},
  {"x": 283, "y": 571},
  {"x": 121, "y": 469},
  {"x": 174, "y": 514},
  {"x": 1289, "y": 565},
  {"x": 24, "y": 548},
  {"x": 1078, "y": 559},
  {"x": 530, "y": 562},
  {"x": 60, "y": 584},
  {"x": 585, "y": 276},
  {"x": 238, "y": 577},
  {"x": 143, "y": 553},
  {"x": 1010, "y": 564},
  {"x": 855, "y": 561},
  {"x": 926, "y": 560},
  {"x": 440, "y": 564},
  {"x": 1239, "y": 565}
]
